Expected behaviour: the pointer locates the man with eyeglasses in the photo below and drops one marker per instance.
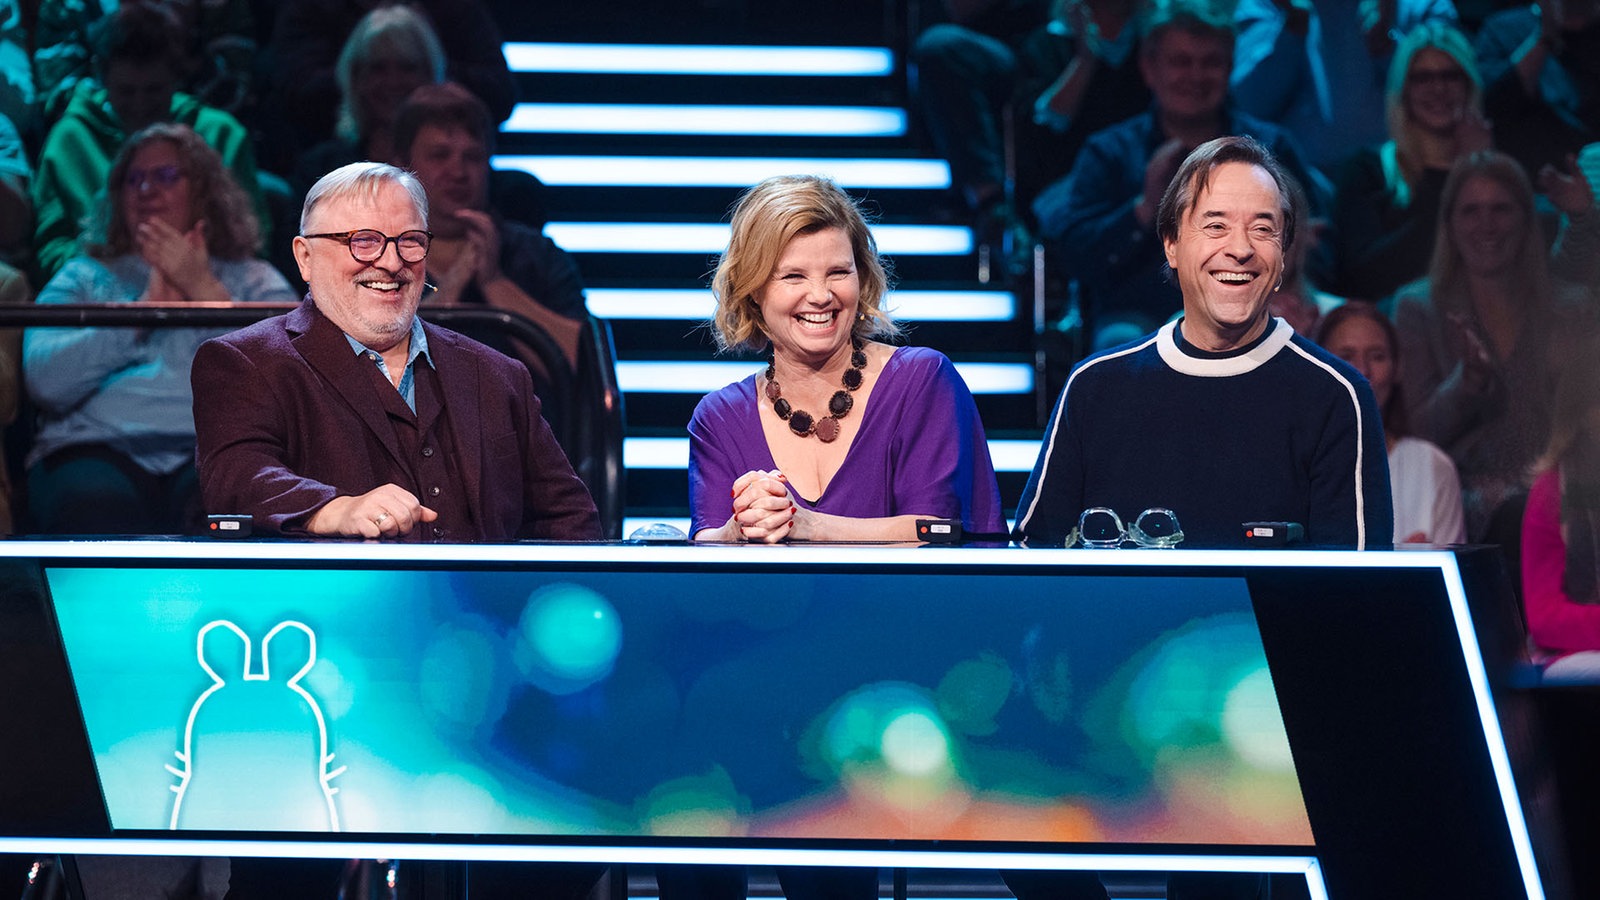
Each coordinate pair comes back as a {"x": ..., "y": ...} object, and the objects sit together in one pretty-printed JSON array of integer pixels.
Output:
[
  {"x": 350, "y": 417},
  {"x": 1225, "y": 416}
]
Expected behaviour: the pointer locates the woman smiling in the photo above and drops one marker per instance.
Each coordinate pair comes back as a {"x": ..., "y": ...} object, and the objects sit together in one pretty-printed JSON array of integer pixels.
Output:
[{"x": 842, "y": 437}]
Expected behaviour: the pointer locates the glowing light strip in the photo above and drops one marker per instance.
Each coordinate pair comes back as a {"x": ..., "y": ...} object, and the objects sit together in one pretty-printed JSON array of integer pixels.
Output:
[
  {"x": 667, "y": 118},
  {"x": 697, "y": 305},
  {"x": 723, "y": 171},
  {"x": 1521, "y": 841},
  {"x": 669, "y": 377},
  {"x": 673, "y": 453},
  {"x": 693, "y": 59},
  {"x": 712, "y": 237},
  {"x": 909, "y": 859},
  {"x": 612, "y": 555}
]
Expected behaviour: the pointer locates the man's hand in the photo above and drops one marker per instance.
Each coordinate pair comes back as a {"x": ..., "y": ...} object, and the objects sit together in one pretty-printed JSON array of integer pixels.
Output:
[
  {"x": 383, "y": 512},
  {"x": 483, "y": 239},
  {"x": 1158, "y": 174}
]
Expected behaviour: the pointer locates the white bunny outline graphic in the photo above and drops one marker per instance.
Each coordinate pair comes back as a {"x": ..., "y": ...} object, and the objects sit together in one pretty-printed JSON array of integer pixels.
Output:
[{"x": 324, "y": 758}]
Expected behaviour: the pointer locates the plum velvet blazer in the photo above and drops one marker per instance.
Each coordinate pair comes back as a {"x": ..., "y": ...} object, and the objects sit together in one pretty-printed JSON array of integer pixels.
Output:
[{"x": 287, "y": 417}]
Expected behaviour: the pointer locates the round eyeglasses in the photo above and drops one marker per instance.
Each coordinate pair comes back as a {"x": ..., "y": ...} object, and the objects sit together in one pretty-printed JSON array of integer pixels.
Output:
[
  {"x": 1099, "y": 527},
  {"x": 368, "y": 244},
  {"x": 160, "y": 176}
]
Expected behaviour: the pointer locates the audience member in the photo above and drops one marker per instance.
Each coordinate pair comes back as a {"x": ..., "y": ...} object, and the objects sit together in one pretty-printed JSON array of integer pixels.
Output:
[
  {"x": 350, "y": 417},
  {"x": 391, "y": 52},
  {"x": 1561, "y": 533},
  {"x": 1062, "y": 79},
  {"x": 1423, "y": 480},
  {"x": 1080, "y": 73},
  {"x": 18, "y": 93},
  {"x": 13, "y": 292},
  {"x": 444, "y": 135},
  {"x": 1483, "y": 337},
  {"x": 114, "y": 453},
  {"x": 1100, "y": 218},
  {"x": 16, "y": 204},
  {"x": 1387, "y": 201},
  {"x": 1297, "y": 300},
  {"x": 1541, "y": 74},
  {"x": 1316, "y": 67},
  {"x": 16, "y": 226},
  {"x": 966, "y": 72},
  {"x": 1225, "y": 416},
  {"x": 217, "y": 45},
  {"x": 308, "y": 41},
  {"x": 138, "y": 66}
]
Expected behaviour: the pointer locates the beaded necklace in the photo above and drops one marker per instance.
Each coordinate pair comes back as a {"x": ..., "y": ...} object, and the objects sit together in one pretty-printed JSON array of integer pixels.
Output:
[{"x": 802, "y": 423}]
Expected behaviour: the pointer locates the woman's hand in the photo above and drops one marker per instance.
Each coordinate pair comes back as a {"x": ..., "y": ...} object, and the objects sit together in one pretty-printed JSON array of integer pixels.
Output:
[
  {"x": 762, "y": 507},
  {"x": 180, "y": 257},
  {"x": 1567, "y": 188}
]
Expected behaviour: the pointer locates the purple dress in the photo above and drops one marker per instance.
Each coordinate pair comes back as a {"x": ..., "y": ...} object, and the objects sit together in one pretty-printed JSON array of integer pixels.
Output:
[{"x": 920, "y": 450}]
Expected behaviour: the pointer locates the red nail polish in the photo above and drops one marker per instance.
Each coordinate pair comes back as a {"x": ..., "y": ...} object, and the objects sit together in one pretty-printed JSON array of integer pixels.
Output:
[{"x": 733, "y": 493}]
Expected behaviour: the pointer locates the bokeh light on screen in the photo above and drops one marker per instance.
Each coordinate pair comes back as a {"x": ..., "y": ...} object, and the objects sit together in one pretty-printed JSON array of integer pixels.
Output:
[
  {"x": 706, "y": 804},
  {"x": 1178, "y": 695},
  {"x": 892, "y": 751},
  {"x": 568, "y": 638},
  {"x": 971, "y": 694},
  {"x": 1253, "y": 726},
  {"x": 461, "y": 681}
]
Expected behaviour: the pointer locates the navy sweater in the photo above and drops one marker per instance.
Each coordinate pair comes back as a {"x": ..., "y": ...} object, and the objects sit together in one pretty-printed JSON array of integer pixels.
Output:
[{"x": 1281, "y": 430}]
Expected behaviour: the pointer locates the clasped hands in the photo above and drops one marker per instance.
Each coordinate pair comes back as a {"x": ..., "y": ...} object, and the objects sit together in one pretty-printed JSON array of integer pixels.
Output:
[
  {"x": 384, "y": 512},
  {"x": 763, "y": 509}
]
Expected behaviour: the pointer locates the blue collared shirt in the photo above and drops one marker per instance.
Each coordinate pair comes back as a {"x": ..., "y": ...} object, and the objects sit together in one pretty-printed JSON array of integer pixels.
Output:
[{"x": 408, "y": 383}]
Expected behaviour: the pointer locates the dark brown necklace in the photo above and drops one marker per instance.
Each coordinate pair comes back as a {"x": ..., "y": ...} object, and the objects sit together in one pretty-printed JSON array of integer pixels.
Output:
[{"x": 803, "y": 423}]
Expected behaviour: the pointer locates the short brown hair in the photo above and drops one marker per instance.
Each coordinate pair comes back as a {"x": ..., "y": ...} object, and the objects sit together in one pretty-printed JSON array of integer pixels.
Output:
[
  {"x": 443, "y": 105},
  {"x": 765, "y": 220},
  {"x": 1195, "y": 175}
]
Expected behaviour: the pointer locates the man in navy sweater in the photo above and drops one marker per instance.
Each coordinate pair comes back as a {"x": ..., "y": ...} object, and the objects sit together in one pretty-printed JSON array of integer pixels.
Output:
[{"x": 1225, "y": 416}]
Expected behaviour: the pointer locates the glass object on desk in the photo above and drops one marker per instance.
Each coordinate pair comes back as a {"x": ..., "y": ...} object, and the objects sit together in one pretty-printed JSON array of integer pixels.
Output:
[{"x": 1099, "y": 527}]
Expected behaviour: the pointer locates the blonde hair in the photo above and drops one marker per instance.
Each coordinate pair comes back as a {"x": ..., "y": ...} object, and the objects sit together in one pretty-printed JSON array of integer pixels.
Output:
[
  {"x": 396, "y": 31},
  {"x": 1401, "y": 157},
  {"x": 1447, "y": 270},
  {"x": 765, "y": 219}
]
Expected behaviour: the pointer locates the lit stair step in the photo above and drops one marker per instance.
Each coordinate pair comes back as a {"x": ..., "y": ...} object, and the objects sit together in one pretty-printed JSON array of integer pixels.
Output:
[
  {"x": 697, "y": 59},
  {"x": 905, "y": 305},
  {"x": 704, "y": 119},
  {"x": 720, "y": 171},
  {"x": 712, "y": 237},
  {"x": 699, "y": 377}
]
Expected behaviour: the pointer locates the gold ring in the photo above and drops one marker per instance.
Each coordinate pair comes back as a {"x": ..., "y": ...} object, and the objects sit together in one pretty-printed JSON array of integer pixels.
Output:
[{"x": 379, "y": 518}]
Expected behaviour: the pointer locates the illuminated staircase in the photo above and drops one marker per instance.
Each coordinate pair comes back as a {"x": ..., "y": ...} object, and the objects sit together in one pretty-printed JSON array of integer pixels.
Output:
[{"x": 643, "y": 148}]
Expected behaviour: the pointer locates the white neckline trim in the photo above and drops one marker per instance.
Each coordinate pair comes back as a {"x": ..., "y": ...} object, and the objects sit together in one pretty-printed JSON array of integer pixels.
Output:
[{"x": 1167, "y": 346}]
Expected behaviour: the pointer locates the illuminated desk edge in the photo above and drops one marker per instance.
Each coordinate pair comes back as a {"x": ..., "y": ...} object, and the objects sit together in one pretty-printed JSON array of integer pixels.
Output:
[
  {"x": 1127, "y": 862},
  {"x": 902, "y": 555}
]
